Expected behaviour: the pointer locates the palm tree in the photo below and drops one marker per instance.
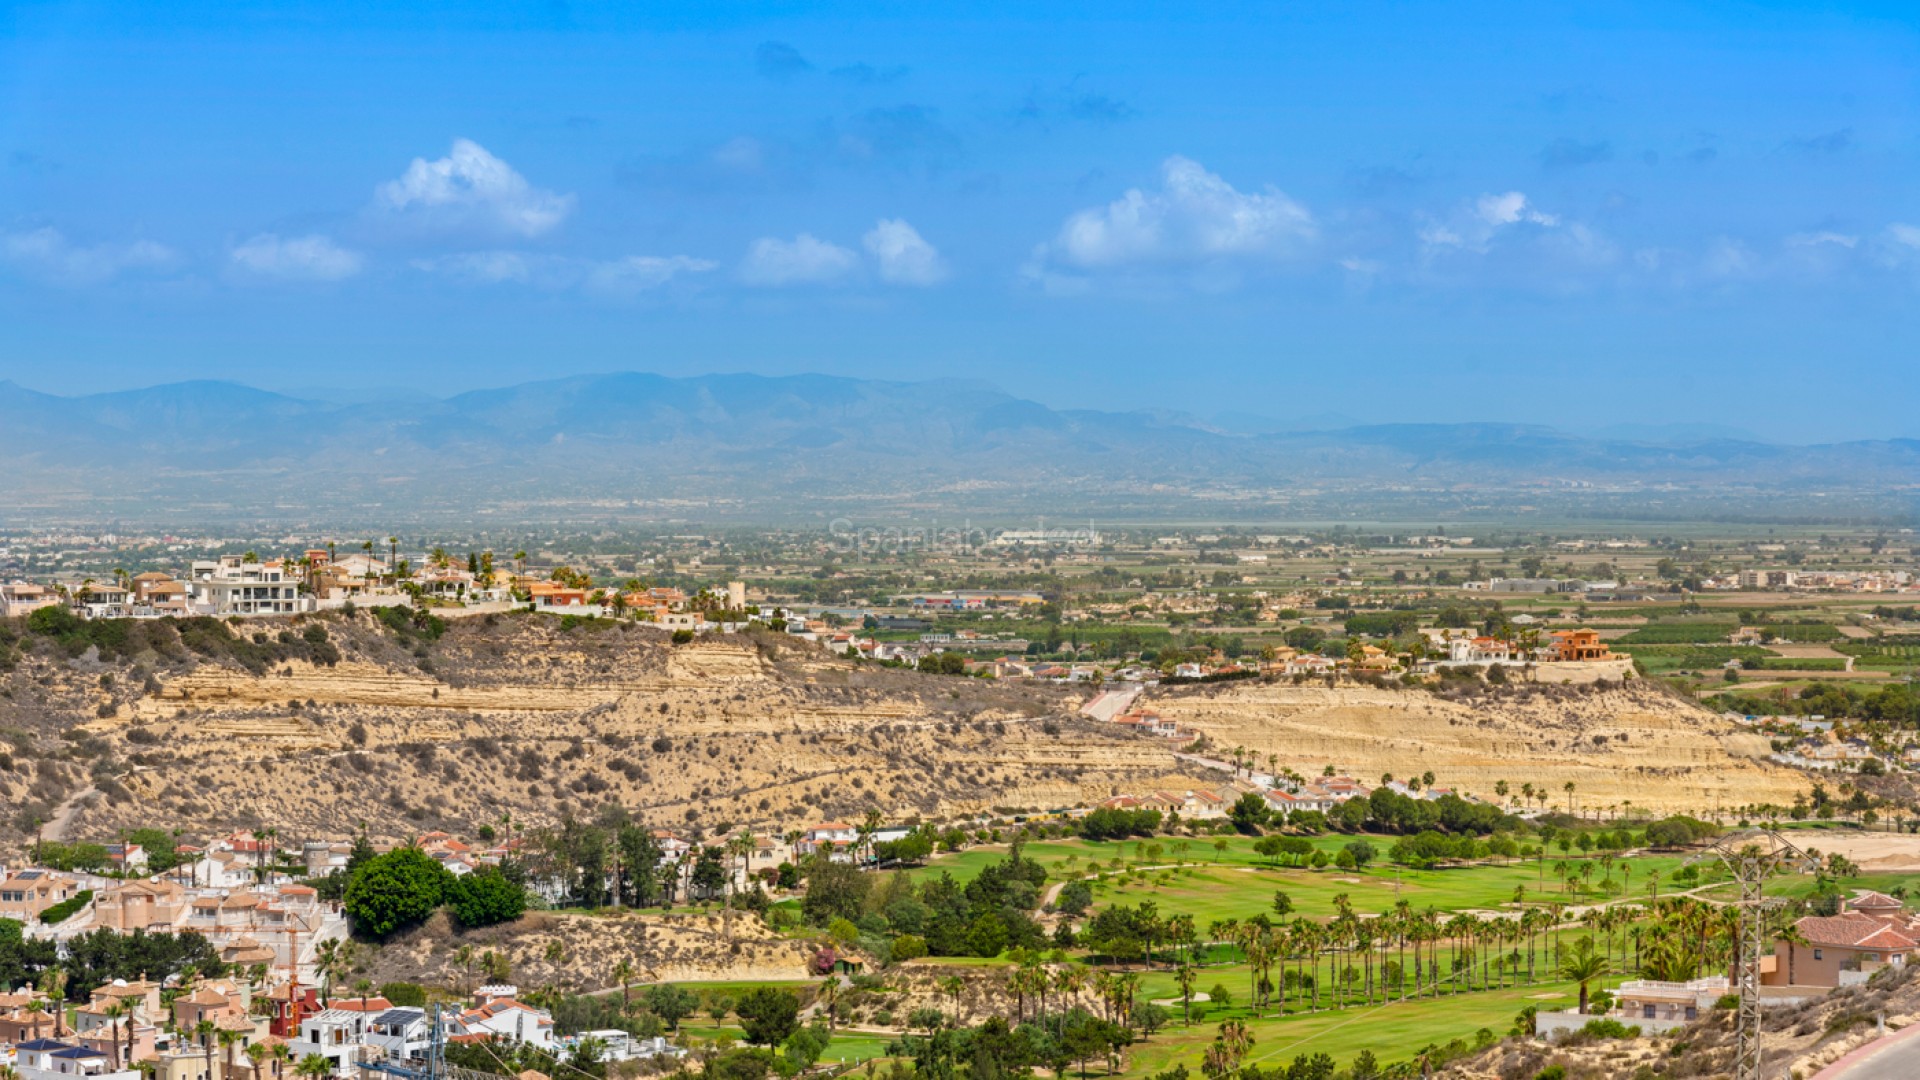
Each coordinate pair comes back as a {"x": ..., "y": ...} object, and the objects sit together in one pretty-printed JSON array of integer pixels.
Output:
[
  {"x": 739, "y": 846},
  {"x": 623, "y": 975},
  {"x": 954, "y": 986},
  {"x": 256, "y": 1053},
  {"x": 1583, "y": 965},
  {"x": 464, "y": 957},
  {"x": 228, "y": 1040},
  {"x": 281, "y": 1053},
  {"x": 117, "y": 1012},
  {"x": 204, "y": 1032},
  {"x": 1568, "y": 788},
  {"x": 830, "y": 995},
  {"x": 314, "y": 1067},
  {"x": 328, "y": 959},
  {"x": 1185, "y": 976}
]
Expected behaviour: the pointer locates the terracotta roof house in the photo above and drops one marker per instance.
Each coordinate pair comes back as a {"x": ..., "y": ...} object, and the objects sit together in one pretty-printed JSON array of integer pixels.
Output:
[{"x": 1872, "y": 931}]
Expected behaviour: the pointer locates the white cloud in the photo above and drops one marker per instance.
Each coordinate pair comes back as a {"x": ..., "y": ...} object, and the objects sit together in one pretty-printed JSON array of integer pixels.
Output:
[
  {"x": 804, "y": 260},
  {"x": 1473, "y": 228},
  {"x": 1194, "y": 216},
  {"x": 1511, "y": 209},
  {"x": 48, "y": 254},
  {"x": 296, "y": 258},
  {"x": 623, "y": 277},
  {"x": 905, "y": 258},
  {"x": 471, "y": 188},
  {"x": 1907, "y": 235}
]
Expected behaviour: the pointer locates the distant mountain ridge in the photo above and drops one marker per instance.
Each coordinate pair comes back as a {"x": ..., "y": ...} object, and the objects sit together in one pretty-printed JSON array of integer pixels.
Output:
[{"x": 774, "y": 441}]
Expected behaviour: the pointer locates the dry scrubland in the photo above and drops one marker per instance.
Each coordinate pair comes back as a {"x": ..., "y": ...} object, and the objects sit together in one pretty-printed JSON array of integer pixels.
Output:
[
  {"x": 580, "y": 952},
  {"x": 519, "y": 714},
  {"x": 1622, "y": 743}
]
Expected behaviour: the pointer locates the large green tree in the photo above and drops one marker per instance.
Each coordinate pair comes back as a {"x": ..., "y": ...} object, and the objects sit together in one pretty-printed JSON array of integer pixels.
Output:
[
  {"x": 768, "y": 1015},
  {"x": 485, "y": 897},
  {"x": 393, "y": 891}
]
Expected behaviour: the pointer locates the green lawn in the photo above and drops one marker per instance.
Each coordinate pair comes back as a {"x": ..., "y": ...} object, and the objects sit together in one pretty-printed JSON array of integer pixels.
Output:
[
  {"x": 856, "y": 1046},
  {"x": 1059, "y": 855},
  {"x": 1209, "y": 893},
  {"x": 1393, "y": 1032},
  {"x": 1799, "y": 887},
  {"x": 1238, "y": 883}
]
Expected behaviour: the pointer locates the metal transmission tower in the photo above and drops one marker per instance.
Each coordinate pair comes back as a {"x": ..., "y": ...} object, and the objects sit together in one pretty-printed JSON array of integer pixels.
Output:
[{"x": 1753, "y": 856}]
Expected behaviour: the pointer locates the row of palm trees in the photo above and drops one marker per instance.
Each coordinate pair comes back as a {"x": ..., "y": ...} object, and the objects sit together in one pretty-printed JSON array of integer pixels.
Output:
[
  {"x": 1033, "y": 980},
  {"x": 1404, "y": 954}
]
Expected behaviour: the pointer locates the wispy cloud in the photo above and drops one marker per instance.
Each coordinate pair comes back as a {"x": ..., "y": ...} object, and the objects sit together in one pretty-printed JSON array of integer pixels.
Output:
[
  {"x": 903, "y": 256},
  {"x": 804, "y": 260},
  {"x": 1823, "y": 238},
  {"x": 642, "y": 273},
  {"x": 295, "y": 258},
  {"x": 624, "y": 277},
  {"x": 470, "y": 189},
  {"x": 46, "y": 254}
]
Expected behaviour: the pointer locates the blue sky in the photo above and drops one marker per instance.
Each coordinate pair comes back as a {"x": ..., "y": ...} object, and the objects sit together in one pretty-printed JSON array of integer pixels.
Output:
[{"x": 1575, "y": 215}]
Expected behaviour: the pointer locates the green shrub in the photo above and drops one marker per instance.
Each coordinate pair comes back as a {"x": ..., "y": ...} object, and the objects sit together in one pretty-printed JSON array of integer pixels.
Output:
[
  {"x": 64, "y": 910},
  {"x": 404, "y": 993},
  {"x": 1608, "y": 1028}
]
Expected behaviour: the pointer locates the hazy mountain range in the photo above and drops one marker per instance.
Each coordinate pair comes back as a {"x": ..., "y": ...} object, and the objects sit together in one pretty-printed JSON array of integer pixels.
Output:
[{"x": 813, "y": 445}]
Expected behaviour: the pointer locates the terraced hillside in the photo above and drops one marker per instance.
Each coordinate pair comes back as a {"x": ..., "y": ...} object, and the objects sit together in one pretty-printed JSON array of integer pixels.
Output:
[
  {"x": 406, "y": 730},
  {"x": 1618, "y": 744},
  {"x": 320, "y": 725}
]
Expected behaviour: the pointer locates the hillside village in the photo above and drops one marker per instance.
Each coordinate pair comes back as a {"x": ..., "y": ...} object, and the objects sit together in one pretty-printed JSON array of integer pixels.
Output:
[{"x": 554, "y": 742}]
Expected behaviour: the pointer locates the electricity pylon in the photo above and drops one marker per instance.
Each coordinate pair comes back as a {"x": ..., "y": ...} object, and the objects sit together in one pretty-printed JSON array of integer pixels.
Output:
[{"x": 1753, "y": 856}]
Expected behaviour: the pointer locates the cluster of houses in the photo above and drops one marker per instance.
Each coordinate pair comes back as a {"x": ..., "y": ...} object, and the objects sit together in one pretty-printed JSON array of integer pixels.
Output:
[
  {"x": 279, "y": 926},
  {"x": 273, "y": 934},
  {"x": 245, "y": 585},
  {"x": 207, "y": 1030},
  {"x": 1443, "y": 648},
  {"x": 1846, "y": 581}
]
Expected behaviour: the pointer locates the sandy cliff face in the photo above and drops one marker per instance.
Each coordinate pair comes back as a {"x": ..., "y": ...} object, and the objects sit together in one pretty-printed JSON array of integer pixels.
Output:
[
  {"x": 1617, "y": 745},
  {"x": 518, "y": 718}
]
